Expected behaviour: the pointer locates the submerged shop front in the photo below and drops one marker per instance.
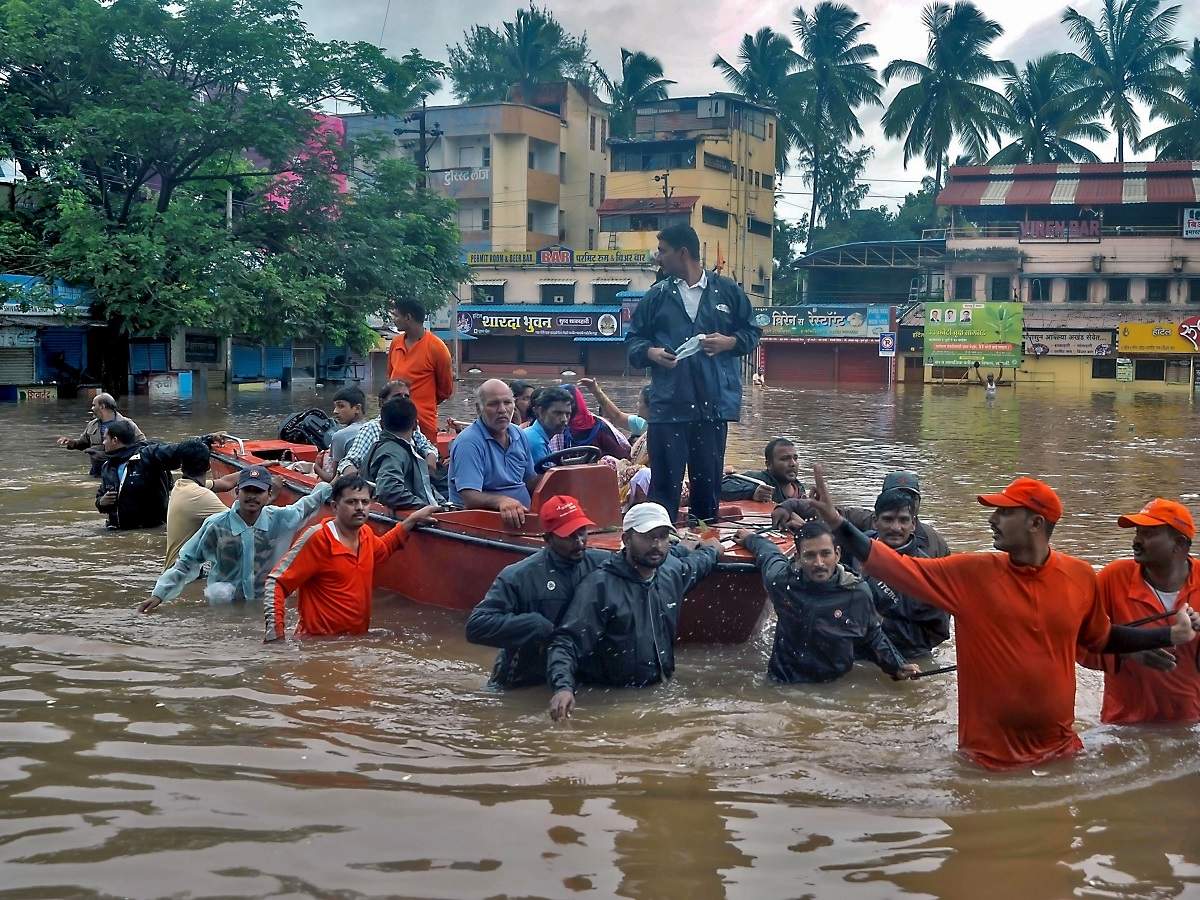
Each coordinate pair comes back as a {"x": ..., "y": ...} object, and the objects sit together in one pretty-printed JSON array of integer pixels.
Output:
[
  {"x": 824, "y": 343},
  {"x": 1158, "y": 352},
  {"x": 532, "y": 339}
]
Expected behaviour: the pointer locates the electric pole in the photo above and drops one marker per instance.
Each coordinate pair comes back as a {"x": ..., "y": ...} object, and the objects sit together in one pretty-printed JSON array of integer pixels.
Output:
[
  {"x": 423, "y": 134},
  {"x": 667, "y": 192}
]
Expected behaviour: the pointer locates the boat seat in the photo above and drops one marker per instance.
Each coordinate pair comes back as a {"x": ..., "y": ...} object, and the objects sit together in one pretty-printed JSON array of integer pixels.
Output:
[{"x": 594, "y": 486}]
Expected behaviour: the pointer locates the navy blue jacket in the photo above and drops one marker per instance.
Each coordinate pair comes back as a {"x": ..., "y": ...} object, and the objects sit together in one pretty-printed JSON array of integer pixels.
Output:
[{"x": 702, "y": 387}]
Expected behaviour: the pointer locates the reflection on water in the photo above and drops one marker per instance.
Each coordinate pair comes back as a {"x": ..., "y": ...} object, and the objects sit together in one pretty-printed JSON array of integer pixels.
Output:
[{"x": 175, "y": 755}]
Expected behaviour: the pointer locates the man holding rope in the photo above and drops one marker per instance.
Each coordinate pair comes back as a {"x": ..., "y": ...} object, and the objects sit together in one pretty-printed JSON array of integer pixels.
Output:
[{"x": 1019, "y": 616}]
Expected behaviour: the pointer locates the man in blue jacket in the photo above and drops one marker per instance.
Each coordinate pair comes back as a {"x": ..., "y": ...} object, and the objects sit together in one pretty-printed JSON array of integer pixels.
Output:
[{"x": 693, "y": 396}]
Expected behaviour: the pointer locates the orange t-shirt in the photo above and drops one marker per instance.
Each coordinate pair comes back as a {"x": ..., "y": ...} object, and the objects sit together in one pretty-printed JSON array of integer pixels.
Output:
[
  {"x": 428, "y": 369},
  {"x": 1133, "y": 692},
  {"x": 1016, "y": 630},
  {"x": 335, "y": 583}
]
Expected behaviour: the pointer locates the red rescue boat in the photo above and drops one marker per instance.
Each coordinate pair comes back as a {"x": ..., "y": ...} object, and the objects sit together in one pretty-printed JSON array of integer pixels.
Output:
[{"x": 453, "y": 564}]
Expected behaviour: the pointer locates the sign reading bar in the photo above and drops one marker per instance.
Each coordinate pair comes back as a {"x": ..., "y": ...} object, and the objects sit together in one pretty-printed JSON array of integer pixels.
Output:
[
  {"x": 578, "y": 323},
  {"x": 959, "y": 334},
  {"x": 561, "y": 256},
  {"x": 1160, "y": 337},
  {"x": 1084, "y": 228},
  {"x": 1039, "y": 342},
  {"x": 825, "y": 322}
]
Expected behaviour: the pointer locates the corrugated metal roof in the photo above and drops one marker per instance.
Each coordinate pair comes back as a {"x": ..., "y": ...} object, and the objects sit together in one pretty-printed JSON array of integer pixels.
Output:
[
  {"x": 1073, "y": 184},
  {"x": 615, "y": 205}
]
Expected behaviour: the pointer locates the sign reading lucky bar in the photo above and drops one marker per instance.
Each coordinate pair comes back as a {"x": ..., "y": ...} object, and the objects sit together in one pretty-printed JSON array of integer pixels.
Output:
[{"x": 578, "y": 323}]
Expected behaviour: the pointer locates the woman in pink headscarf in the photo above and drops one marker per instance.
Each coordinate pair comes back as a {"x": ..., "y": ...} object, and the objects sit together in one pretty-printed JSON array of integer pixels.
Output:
[{"x": 586, "y": 429}]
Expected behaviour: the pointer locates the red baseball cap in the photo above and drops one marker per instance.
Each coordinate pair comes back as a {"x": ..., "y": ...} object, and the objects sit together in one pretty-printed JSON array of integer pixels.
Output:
[
  {"x": 1035, "y": 496},
  {"x": 1162, "y": 512},
  {"x": 563, "y": 516}
]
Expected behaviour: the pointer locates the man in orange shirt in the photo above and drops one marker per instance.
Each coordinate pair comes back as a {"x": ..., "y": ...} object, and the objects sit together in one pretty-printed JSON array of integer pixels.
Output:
[
  {"x": 1019, "y": 615},
  {"x": 422, "y": 359},
  {"x": 333, "y": 563},
  {"x": 1157, "y": 685}
]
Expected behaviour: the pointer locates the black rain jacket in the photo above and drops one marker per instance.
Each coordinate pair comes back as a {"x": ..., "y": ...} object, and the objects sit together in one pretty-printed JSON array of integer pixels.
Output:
[
  {"x": 701, "y": 388},
  {"x": 521, "y": 610},
  {"x": 821, "y": 625},
  {"x": 143, "y": 490},
  {"x": 620, "y": 630},
  {"x": 914, "y": 627}
]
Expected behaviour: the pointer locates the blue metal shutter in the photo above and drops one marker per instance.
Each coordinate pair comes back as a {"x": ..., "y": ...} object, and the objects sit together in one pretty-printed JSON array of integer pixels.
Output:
[
  {"x": 148, "y": 356},
  {"x": 70, "y": 342},
  {"x": 277, "y": 358},
  {"x": 247, "y": 361}
]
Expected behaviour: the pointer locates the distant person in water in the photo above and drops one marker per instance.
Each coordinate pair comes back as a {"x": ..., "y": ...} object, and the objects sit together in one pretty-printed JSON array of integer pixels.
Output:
[
  {"x": 989, "y": 389},
  {"x": 91, "y": 441}
]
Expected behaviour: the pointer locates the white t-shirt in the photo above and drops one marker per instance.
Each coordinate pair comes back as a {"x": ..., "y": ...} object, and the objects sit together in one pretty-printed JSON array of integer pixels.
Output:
[
  {"x": 691, "y": 293},
  {"x": 1166, "y": 598}
]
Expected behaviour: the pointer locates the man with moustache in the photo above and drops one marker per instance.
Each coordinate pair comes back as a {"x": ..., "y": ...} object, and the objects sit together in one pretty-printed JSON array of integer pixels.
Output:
[
  {"x": 780, "y": 479},
  {"x": 1162, "y": 577},
  {"x": 332, "y": 565},
  {"x": 491, "y": 465},
  {"x": 620, "y": 628},
  {"x": 1019, "y": 616}
]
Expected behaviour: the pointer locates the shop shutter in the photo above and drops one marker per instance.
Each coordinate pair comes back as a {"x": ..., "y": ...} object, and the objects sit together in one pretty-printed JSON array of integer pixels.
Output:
[
  {"x": 17, "y": 365},
  {"x": 554, "y": 350},
  {"x": 861, "y": 365},
  {"x": 276, "y": 359},
  {"x": 605, "y": 359},
  {"x": 247, "y": 362},
  {"x": 798, "y": 363},
  {"x": 70, "y": 342},
  {"x": 148, "y": 356},
  {"x": 491, "y": 350}
]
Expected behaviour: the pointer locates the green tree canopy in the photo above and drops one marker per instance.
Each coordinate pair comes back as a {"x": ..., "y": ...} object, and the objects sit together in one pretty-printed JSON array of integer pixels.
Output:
[
  {"x": 1180, "y": 137},
  {"x": 641, "y": 82},
  {"x": 1046, "y": 114},
  {"x": 131, "y": 120},
  {"x": 534, "y": 48},
  {"x": 765, "y": 62}
]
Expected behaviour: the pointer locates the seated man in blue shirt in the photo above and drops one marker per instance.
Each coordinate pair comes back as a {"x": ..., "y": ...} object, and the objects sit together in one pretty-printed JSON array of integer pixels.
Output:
[
  {"x": 491, "y": 466},
  {"x": 551, "y": 413}
]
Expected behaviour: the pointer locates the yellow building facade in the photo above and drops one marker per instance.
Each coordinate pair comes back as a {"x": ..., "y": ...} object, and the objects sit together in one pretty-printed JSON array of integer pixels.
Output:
[{"x": 705, "y": 161}]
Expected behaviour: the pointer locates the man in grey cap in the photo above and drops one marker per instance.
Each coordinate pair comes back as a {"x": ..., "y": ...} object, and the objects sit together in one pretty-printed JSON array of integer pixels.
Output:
[
  {"x": 620, "y": 627},
  {"x": 242, "y": 544},
  {"x": 793, "y": 513}
]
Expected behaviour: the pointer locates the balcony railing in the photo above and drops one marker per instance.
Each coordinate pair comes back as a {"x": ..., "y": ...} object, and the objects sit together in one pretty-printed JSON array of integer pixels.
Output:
[{"x": 1019, "y": 231}]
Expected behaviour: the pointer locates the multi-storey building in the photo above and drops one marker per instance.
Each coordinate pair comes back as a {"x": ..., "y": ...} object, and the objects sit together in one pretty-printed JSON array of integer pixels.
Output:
[{"x": 709, "y": 162}]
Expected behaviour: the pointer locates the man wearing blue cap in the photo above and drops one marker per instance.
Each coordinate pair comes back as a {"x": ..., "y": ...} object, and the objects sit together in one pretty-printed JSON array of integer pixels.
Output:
[{"x": 242, "y": 544}]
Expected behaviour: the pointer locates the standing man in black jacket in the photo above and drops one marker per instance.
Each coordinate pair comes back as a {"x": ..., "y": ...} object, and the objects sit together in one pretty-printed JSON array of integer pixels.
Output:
[
  {"x": 135, "y": 480},
  {"x": 693, "y": 397},
  {"x": 527, "y": 600}
]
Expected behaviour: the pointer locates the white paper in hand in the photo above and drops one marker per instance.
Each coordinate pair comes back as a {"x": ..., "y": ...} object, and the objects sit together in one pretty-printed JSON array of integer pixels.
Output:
[{"x": 690, "y": 347}]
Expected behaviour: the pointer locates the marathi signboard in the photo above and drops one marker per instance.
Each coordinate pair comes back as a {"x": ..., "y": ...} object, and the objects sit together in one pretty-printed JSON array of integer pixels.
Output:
[
  {"x": 826, "y": 322},
  {"x": 912, "y": 339},
  {"x": 18, "y": 338},
  {"x": 959, "y": 334},
  {"x": 560, "y": 256},
  {"x": 1084, "y": 228},
  {"x": 576, "y": 323},
  {"x": 1043, "y": 342},
  {"x": 1165, "y": 338},
  {"x": 1191, "y": 222}
]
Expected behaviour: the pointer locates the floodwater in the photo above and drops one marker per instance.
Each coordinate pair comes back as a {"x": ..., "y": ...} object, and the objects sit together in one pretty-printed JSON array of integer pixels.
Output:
[{"x": 175, "y": 755}]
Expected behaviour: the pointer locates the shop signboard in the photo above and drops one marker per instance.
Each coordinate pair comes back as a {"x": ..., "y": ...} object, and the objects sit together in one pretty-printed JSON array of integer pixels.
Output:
[
  {"x": 1191, "y": 222},
  {"x": 817, "y": 322},
  {"x": 962, "y": 333},
  {"x": 1084, "y": 228},
  {"x": 538, "y": 323},
  {"x": 560, "y": 257},
  {"x": 1124, "y": 369},
  {"x": 912, "y": 339},
  {"x": 1058, "y": 342},
  {"x": 1163, "y": 338},
  {"x": 18, "y": 338}
]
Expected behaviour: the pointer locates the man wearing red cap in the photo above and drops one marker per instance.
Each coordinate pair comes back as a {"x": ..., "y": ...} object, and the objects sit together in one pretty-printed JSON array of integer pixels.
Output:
[
  {"x": 1019, "y": 615},
  {"x": 1162, "y": 577},
  {"x": 527, "y": 600}
]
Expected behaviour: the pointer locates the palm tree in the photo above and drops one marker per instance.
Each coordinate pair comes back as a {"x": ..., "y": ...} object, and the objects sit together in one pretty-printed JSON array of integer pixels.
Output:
[
  {"x": 1046, "y": 114},
  {"x": 766, "y": 59},
  {"x": 641, "y": 82},
  {"x": 945, "y": 100},
  {"x": 1180, "y": 139},
  {"x": 1125, "y": 57},
  {"x": 833, "y": 81}
]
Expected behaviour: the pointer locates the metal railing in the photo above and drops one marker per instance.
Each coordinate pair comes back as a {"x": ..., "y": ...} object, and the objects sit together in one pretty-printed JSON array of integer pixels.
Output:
[{"x": 1012, "y": 230}]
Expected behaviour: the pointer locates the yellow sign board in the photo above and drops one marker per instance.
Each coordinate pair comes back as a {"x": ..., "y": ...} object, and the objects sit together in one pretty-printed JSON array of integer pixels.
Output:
[
  {"x": 1159, "y": 337},
  {"x": 561, "y": 256}
]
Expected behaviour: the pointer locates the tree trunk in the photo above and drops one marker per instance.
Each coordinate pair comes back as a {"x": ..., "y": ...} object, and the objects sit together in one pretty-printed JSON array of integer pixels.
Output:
[
  {"x": 812, "y": 211},
  {"x": 937, "y": 175},
  {"x": 1120, "y": 145}
]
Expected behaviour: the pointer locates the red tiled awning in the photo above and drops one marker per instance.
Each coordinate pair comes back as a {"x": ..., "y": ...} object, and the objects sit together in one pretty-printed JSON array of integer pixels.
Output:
[
  {"x": 1085, "y": 184},
  {"x": 613, "y": 206}
]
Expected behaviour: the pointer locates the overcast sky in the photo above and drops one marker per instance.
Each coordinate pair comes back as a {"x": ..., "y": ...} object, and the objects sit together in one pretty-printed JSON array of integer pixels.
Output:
[{"x": 685, "y": 36}]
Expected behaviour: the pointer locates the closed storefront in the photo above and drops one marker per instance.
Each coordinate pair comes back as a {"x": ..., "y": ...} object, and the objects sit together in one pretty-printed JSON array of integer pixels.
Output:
[
  {"x": 62, "y": 354},
  {"x": 552, "y": 350},
  {"x": 149, "y": 356},
  {"x": 858, "y": 364},
  {"x": 17, "y": 365},
  {"x": 275, "y": 360},
  {"x": 800, "y": 363},
  {"x": 247, "y": 362},
  {"x": 500, "y": 349},
  {"x": 605, "y": 356}
]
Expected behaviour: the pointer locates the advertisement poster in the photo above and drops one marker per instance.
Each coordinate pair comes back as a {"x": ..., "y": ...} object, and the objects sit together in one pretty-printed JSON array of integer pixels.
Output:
[
  {"x": 962, "y": 333},
  {"x": 1164, "y": 338},
  {"x": 1044, "y": 342},
  {"x": 1191, "y": 223},
  {"x": 826, "y": 322}
]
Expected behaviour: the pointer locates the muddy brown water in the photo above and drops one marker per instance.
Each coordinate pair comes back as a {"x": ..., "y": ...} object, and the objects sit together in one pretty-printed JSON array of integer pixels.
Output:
[{"x": 175, "y": 755}]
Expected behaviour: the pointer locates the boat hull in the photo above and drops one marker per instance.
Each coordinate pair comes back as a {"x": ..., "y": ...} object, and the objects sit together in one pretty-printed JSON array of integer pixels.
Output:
[{"x": 454, "y": 564}]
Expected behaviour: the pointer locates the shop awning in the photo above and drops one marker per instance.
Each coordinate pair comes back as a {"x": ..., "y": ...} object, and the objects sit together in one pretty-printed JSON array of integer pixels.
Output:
[
  {"x": 610, "y": 281},
  {"x": 1074, "y": 184},
  {"x": 447, "y": 335},
  {"x": 557, "y": 281},
  {"x": 615, "y": 339},
  {"x": 489, "y": 282}
]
